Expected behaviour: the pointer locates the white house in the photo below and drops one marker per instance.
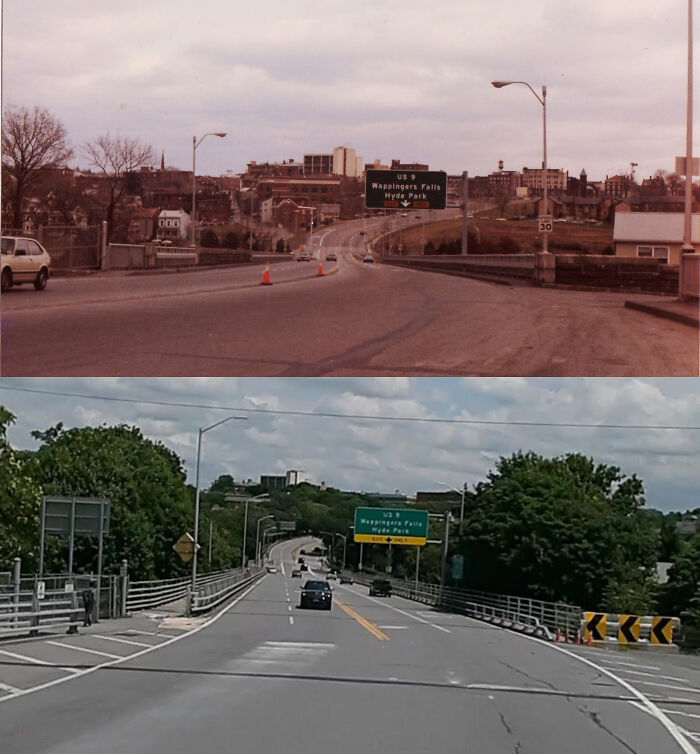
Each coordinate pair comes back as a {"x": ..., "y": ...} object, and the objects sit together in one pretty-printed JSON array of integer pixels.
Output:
[
  {"x": 658, "y": 235},
  {"x": 173, "y": 224}
]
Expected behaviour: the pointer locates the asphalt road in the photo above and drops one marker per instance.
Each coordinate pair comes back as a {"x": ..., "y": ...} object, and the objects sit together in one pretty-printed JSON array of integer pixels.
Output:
[
  {"x": 357, "y": 319},
  {"x": 371, "y": 675}
]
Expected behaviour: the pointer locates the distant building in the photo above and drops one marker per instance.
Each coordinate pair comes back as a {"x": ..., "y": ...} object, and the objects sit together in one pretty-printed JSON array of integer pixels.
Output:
[
  {"x": 658, "y": 235},
  {"x": 384, "y": 499},
  {"x": 278, "y": 482},
  {"x": 556, "y": 179},
  {"x": 617, "y": 185},
  {"x": 173, "y": 225},
  {"x": 318, "y": 164},
  {"x": 398, "y": 165}
]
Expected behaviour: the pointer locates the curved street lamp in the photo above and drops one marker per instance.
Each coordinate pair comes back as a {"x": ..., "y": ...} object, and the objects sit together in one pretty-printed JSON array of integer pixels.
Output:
[
  {"x": 195, "y": 144},
  {"x": 257, "y": 537},
  {"x": 543, "y": 101}
]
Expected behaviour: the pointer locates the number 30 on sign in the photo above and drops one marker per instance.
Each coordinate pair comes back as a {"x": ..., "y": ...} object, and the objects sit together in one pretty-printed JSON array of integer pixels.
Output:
[{"x": 545, "y": 224}]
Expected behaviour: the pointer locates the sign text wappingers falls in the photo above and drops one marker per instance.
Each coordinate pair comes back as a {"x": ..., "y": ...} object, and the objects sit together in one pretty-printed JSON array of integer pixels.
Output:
[{"x": 405, "y": 190}]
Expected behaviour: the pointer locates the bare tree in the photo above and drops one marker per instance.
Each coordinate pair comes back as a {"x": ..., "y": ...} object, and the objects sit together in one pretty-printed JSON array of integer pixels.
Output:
[
  {"x": 116, "y": 157},
  {"x": 32, "y": 140}
]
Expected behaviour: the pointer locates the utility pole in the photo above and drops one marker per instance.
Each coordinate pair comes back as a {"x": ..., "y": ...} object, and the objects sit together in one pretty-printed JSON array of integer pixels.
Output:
[
  {"x": 465, "y": 213},
  {"x": 445, "y": 545}
]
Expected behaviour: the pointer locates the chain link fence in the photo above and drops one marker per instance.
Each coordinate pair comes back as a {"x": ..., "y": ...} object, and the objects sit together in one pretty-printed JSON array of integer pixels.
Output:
[{"x": 72, "y": 247}]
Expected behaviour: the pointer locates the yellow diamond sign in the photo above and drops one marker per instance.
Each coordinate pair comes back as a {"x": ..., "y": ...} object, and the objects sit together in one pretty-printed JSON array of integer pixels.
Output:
[{"x": 184, "y": 547}]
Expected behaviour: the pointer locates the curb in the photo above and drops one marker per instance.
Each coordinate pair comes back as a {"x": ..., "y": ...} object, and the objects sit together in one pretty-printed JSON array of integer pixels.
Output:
[{"x": 656, "y": 311}]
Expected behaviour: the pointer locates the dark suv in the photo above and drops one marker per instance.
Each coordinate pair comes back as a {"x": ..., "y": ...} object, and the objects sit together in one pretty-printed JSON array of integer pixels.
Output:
[
  {"x": 316, "y": 594},
  {"x": 380, "y": 588}
]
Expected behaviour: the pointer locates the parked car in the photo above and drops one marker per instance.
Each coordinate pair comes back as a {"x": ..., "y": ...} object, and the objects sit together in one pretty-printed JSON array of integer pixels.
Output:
[
  {"x": 380, "y": 588},
  {"x": 345, "y": 578},
  {"x": 23, "y": 260},
  {"x": 316, "y": 594},
  {"x": 296, "y": 573},
  {"x": 369, "y": 259},
  {"x": 300, "y": 560},
  {"x": 331, "y": 256}
]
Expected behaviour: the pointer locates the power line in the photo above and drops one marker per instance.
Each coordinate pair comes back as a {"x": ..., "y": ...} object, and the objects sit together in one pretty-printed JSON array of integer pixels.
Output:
[{"x": 363, "y": 417}]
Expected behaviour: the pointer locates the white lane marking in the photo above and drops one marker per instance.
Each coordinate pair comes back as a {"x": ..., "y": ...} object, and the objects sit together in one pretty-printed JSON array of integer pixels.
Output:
[
  {"x": 413, "y": 616},
  {"x": 630, "y": 664},
  {"x": 692, "y": 735},
  {"x": 393, "y": 628},
  {"x": 682, "y": 714},
  {"x": 8, "y": 688},
  {"x": 648, "y": 705},
  {"x": 121, "y": 641},
  {"x": 291, "y": 620},
  {"x": 654, "y": 675},
  {"x": 299, "y": 644},
  {"x": 84, "y": 649},
  {"x": 34, "y": 661},
  {"x": 692, "y": 689},
  {"x": 171, "y": 640}
]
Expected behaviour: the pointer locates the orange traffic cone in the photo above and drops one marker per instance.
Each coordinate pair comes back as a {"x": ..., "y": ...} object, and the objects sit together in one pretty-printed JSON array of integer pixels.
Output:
[
  {"x": 578, "y": 638},
  {"x": 320, "y": 268},
  {"x": 558, "y": 639},
  {"x": 589, "y": 640},
  {"x": 266, "y": 276}
]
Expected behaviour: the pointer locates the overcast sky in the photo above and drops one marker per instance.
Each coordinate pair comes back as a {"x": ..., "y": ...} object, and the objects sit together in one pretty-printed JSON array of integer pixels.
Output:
[
  {"x": 384, "y": 455},
  {"x": 404, "y": 79}
]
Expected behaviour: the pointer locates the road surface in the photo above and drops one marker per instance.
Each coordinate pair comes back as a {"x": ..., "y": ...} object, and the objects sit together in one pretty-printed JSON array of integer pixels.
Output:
[
  {"x": 371, "y": 675},
  {"x": 357, "y": 319}
]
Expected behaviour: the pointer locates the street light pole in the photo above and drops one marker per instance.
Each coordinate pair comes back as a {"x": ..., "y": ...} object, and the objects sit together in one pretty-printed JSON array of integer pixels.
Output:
[
  {"x": 543, "y": 101},
  {"x": 461, "y": 507},
  {"x": 687, "y": 247},
  {"x": 202, "y": 430},
  {"x": 257, "y": 538},
  {"x": 195, "y": 144}
]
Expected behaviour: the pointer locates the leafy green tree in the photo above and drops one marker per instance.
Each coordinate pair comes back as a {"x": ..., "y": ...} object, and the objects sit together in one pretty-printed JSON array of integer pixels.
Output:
[
  {"x": 683, "y": 579},
  {"x": 145, "y": 482},
  {"x": 20, "y": 503},
  {"x": 560, "y": 529}
]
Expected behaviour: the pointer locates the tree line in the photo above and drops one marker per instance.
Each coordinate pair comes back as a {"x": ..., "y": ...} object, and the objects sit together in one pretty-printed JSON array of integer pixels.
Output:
[{"x": 561, "y": 529}]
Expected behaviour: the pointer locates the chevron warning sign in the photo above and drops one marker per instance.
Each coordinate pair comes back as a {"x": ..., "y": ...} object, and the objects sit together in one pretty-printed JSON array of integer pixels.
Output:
[
  {"x": 595, "y": 626},
  {"x": 629, "y": 628},
  {"x": 661, "y": 630}
]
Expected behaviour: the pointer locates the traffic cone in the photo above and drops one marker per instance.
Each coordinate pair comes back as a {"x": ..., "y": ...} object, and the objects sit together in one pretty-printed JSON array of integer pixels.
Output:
[
  {"x": 558, "y": 639},
  {"x": 589, "y": 640},
  {"x": 266, "y": 276},
  {"x": 320, "y": 268},
  {"x": 578, "y": 638}
]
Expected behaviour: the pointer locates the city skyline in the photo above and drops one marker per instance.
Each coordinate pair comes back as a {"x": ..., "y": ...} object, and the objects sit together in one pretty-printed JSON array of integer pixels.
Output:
[{"x": 285, "y": 81}]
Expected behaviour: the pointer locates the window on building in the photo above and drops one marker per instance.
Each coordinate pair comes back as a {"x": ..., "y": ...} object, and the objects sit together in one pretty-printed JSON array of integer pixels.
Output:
[{"x": 657, "y": 252}]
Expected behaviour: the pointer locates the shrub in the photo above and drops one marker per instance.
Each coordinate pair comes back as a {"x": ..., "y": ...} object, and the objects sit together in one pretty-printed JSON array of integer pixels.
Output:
[{"x": 209, "y": 239}]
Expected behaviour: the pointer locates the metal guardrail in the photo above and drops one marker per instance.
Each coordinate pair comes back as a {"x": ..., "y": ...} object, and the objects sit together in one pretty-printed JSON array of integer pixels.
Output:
[
  {"x": 536, "y": 617},
  {"x": 24, "y": 612},
  {"x": 213, "y": 592}
]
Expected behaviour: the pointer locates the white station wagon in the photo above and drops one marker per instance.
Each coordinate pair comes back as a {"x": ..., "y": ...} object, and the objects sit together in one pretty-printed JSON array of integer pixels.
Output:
[{"x": 23, "y": 260}]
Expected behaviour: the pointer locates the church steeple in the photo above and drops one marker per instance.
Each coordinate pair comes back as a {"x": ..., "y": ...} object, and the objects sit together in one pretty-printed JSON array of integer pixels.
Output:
[{"x": 162, "y": 160}]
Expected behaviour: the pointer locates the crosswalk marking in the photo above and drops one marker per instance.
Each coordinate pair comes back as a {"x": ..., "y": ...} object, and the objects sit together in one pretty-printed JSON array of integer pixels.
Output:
[
  {"x": 122, "y": 641},
  {"x": 84, "y": 649}
]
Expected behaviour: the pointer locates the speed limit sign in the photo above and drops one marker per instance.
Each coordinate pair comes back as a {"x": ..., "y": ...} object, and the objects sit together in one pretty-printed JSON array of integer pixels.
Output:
[{"x": 545, "y": 224}]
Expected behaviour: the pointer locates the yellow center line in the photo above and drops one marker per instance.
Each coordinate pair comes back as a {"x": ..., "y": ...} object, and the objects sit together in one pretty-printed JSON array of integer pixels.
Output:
[{"x": 362, "y": 621}]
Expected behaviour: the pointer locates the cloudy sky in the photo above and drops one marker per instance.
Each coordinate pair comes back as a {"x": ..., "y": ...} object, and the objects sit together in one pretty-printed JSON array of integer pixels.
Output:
[
  {"x": 404, "y": 79},
  {"x": 382, "y": 454}
]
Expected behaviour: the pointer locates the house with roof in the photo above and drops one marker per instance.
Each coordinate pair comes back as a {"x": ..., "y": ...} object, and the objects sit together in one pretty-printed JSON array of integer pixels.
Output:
[{"x": 658, "y": 235}]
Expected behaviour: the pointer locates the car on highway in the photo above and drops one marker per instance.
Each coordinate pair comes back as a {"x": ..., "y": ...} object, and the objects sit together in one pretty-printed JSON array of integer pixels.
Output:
[
  {"x": 303, "y": 256},
  {"x": 380, "y": 588},
  {"x": 332, "y": 575},
  {"x": 369, "y": 259},
  {"x": 316, "y": 594},
  {"x": 404, "y": 214},
  {"x": 304, "y": 567},
  {"x": 296, "y": 573},
  {"x": 345, "y": 578},
  {"x": 331, "y": 256},
  {"x": 23, "y": 260},
  {"x": 362, "y": 232},
  {"x": 300, "y": 560},
  {"x": 271, "y": 568}
]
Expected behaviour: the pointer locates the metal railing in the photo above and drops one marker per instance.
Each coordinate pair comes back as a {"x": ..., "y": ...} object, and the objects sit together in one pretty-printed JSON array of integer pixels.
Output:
[
  {"x": 212, "y": 592},
  {"x": 23, "y": 612},
  {"x": 529, "y": 615}
]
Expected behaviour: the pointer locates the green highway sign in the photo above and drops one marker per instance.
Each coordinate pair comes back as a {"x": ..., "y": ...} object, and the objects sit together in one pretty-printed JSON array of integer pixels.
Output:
[
  {"x": 405, "y": 189},
  {"x": 391, "y": 526}
]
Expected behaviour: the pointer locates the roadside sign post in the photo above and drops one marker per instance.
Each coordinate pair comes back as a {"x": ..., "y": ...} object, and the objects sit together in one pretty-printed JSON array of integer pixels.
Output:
[{"x": 544, "y": 224}]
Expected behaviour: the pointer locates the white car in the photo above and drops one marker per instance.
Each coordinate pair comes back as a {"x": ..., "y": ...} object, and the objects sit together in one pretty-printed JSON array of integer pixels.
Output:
[
  {"x": 23, "y": 260},
  {"x": 271, "y": 568}
]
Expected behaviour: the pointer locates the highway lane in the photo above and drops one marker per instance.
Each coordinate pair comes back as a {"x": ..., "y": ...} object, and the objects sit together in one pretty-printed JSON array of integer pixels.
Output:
[
  {"x": 360, "y": 319},
  {"x": 370, "y": 675}
]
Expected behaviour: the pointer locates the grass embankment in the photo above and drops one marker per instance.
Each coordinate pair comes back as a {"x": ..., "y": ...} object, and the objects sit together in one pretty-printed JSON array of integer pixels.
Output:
[{"x": 489, "y": 233}]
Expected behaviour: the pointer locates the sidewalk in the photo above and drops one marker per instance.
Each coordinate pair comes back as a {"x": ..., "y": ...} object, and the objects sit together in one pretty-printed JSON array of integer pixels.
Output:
[{"x": 685, "y": 312}]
